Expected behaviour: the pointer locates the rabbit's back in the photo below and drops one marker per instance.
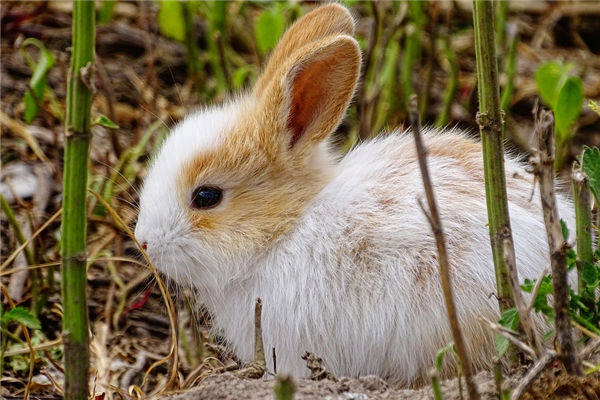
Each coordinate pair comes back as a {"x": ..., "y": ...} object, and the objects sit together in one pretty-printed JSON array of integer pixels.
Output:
[{"x": 363, "y": 260}]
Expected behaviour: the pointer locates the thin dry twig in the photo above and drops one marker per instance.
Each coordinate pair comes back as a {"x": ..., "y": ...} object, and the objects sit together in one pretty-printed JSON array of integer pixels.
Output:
[
  {"x": 173, "y": 380},
  {"x": 318, "y": 371},
  {"x": 532, "y": 374},
  {"x": 259, "y": 348},
  {"x": 508, "y": 335},
  {"x": 259, "y": 366},
  {"x": 521, "y": 305},
  {"x": 543, "y": 168},
  {"x": 39, "y": 347},
  {"x": 26, "y": 243},
  {"x": 436, "y": 226},
  {"x": 544, "y": 362},
  {"x": 536, "y": 289}
]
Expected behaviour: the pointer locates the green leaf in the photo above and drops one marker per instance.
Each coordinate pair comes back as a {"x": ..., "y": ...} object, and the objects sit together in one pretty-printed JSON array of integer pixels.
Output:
[
  {"x": 590, "y": 163},
  {"x": 540, "y": 303},
  {"x": 37, "y": 84},
  {"x": 501, "y": 345},
  {"x": 571, "y": 259},
  {"x": 509, "y": 318},
  {"x": 548, "y": 335},
  {"x": 565, "y": 229},
  {"x": 241, "y": 75},
  {"x": 590, "y": 275},
  {"x": 268, "y": 28},
  {"x": 170, "y": 19},
  {"x": 104, "y": 121},
  {"x": 218, "y": 15},
  {"x": 439, "y": 358},
  {"x": 549, "y": 79},
  {"x": 568, "y": 105},
  {"x": 23, "y": 316}
]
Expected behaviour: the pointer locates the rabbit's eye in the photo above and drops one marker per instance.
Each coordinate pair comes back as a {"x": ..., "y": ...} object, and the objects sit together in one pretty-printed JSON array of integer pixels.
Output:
[{"x": 206, "y": 197}]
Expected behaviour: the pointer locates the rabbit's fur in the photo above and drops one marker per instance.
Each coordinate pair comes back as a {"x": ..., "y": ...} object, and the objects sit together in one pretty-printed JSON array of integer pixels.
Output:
[{"x": 339, "y": 251}]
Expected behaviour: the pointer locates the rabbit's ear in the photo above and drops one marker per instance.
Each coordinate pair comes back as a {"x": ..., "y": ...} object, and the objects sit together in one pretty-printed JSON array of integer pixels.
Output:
[
  {"x": 320, "y": 86},
  {"x": 310, "y": 96},
  {"x": 328, "y": 20}
]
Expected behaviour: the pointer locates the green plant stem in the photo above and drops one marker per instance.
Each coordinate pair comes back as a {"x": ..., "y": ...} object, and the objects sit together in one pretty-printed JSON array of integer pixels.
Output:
[
  {"x": 217, "y": 17},
  {"x": 452, "y": 87},
  {"x": 511, "y": 69},
  {"x": 583, "y": 228},
  {"x": 501, "y": 15},
  {"x": 18, "y": 232},
  {"x": 284, "y": 388},
  {"x": 193, "y": 57},
  {"x": 73, "y": 242},
  {"x": 490, "y": 127},
  {"x": 435, "y": 385}
]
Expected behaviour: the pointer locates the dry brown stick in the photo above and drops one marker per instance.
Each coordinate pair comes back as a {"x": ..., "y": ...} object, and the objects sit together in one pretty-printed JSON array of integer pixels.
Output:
[
  {"x": 543, "y": 363},
  {"x": 258, "y": 367},
  {"x": 522, "y": 307},
  {"x": 259, "y": 348},
  {"x": 436, "y": 226},
  {"x": 532, "y": 374},
  {"x": 508, "y": 335},
  {"x": 589, "y": 348},
  {"x": 536, "y": 289},
  {"x": 543, "y": 169},
  {"x": 584, "y": 330}
]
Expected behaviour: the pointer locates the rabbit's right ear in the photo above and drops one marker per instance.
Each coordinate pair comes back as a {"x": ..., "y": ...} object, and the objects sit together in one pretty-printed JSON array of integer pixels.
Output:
[
  {"x": 307, "y": 97},
  {"x": 328, "y": 20}
]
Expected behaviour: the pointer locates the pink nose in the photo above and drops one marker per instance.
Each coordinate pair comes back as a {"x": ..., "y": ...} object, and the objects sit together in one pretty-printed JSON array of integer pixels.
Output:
[{"x": 145, "y": 245}]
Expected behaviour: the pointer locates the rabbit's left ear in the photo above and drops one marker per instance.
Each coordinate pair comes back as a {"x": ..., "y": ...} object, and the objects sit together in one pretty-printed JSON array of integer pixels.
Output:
[{"x": 313, "y": 91}]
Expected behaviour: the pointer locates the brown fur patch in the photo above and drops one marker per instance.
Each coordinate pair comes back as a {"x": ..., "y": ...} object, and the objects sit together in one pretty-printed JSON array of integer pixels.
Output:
[
  {"x": 328, "y": 20},
  {"x": 266, "y": 184}
]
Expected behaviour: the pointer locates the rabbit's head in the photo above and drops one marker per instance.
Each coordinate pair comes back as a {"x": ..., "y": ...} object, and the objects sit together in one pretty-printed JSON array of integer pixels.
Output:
[{"x": 231, "y": 179}]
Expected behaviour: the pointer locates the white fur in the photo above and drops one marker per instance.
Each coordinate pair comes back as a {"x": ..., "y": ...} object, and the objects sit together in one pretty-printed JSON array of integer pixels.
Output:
[
  {"x": 355, "y": 280},
  {"x": 161, "y": 217}
]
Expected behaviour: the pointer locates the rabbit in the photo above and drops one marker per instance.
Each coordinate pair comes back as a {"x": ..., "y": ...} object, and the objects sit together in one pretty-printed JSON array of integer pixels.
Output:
[{"x": 249, "y": 200}]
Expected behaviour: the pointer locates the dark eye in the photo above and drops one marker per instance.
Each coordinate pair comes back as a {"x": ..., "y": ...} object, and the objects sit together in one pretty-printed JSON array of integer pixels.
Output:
[{"x": 206, "y": 197}]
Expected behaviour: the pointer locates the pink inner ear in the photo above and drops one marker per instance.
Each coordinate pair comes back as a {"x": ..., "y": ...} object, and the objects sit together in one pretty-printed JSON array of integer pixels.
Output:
[{"x": 310, "y": 87}]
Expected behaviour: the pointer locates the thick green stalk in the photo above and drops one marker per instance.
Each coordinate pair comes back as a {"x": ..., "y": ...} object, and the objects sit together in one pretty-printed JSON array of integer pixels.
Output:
[
  {"x": 490, "y": 127},
  {"x": 583, "y": 228},
  {"x": 73, "y": 243}
]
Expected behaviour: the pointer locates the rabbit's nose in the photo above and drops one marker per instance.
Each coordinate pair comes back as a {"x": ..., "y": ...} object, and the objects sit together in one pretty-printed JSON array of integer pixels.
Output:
[{"x": 145, "y": 245}]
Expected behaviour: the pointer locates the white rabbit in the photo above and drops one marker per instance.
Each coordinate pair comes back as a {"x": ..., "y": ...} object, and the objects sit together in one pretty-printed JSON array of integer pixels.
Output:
[{"x": 247, "y": 200}]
